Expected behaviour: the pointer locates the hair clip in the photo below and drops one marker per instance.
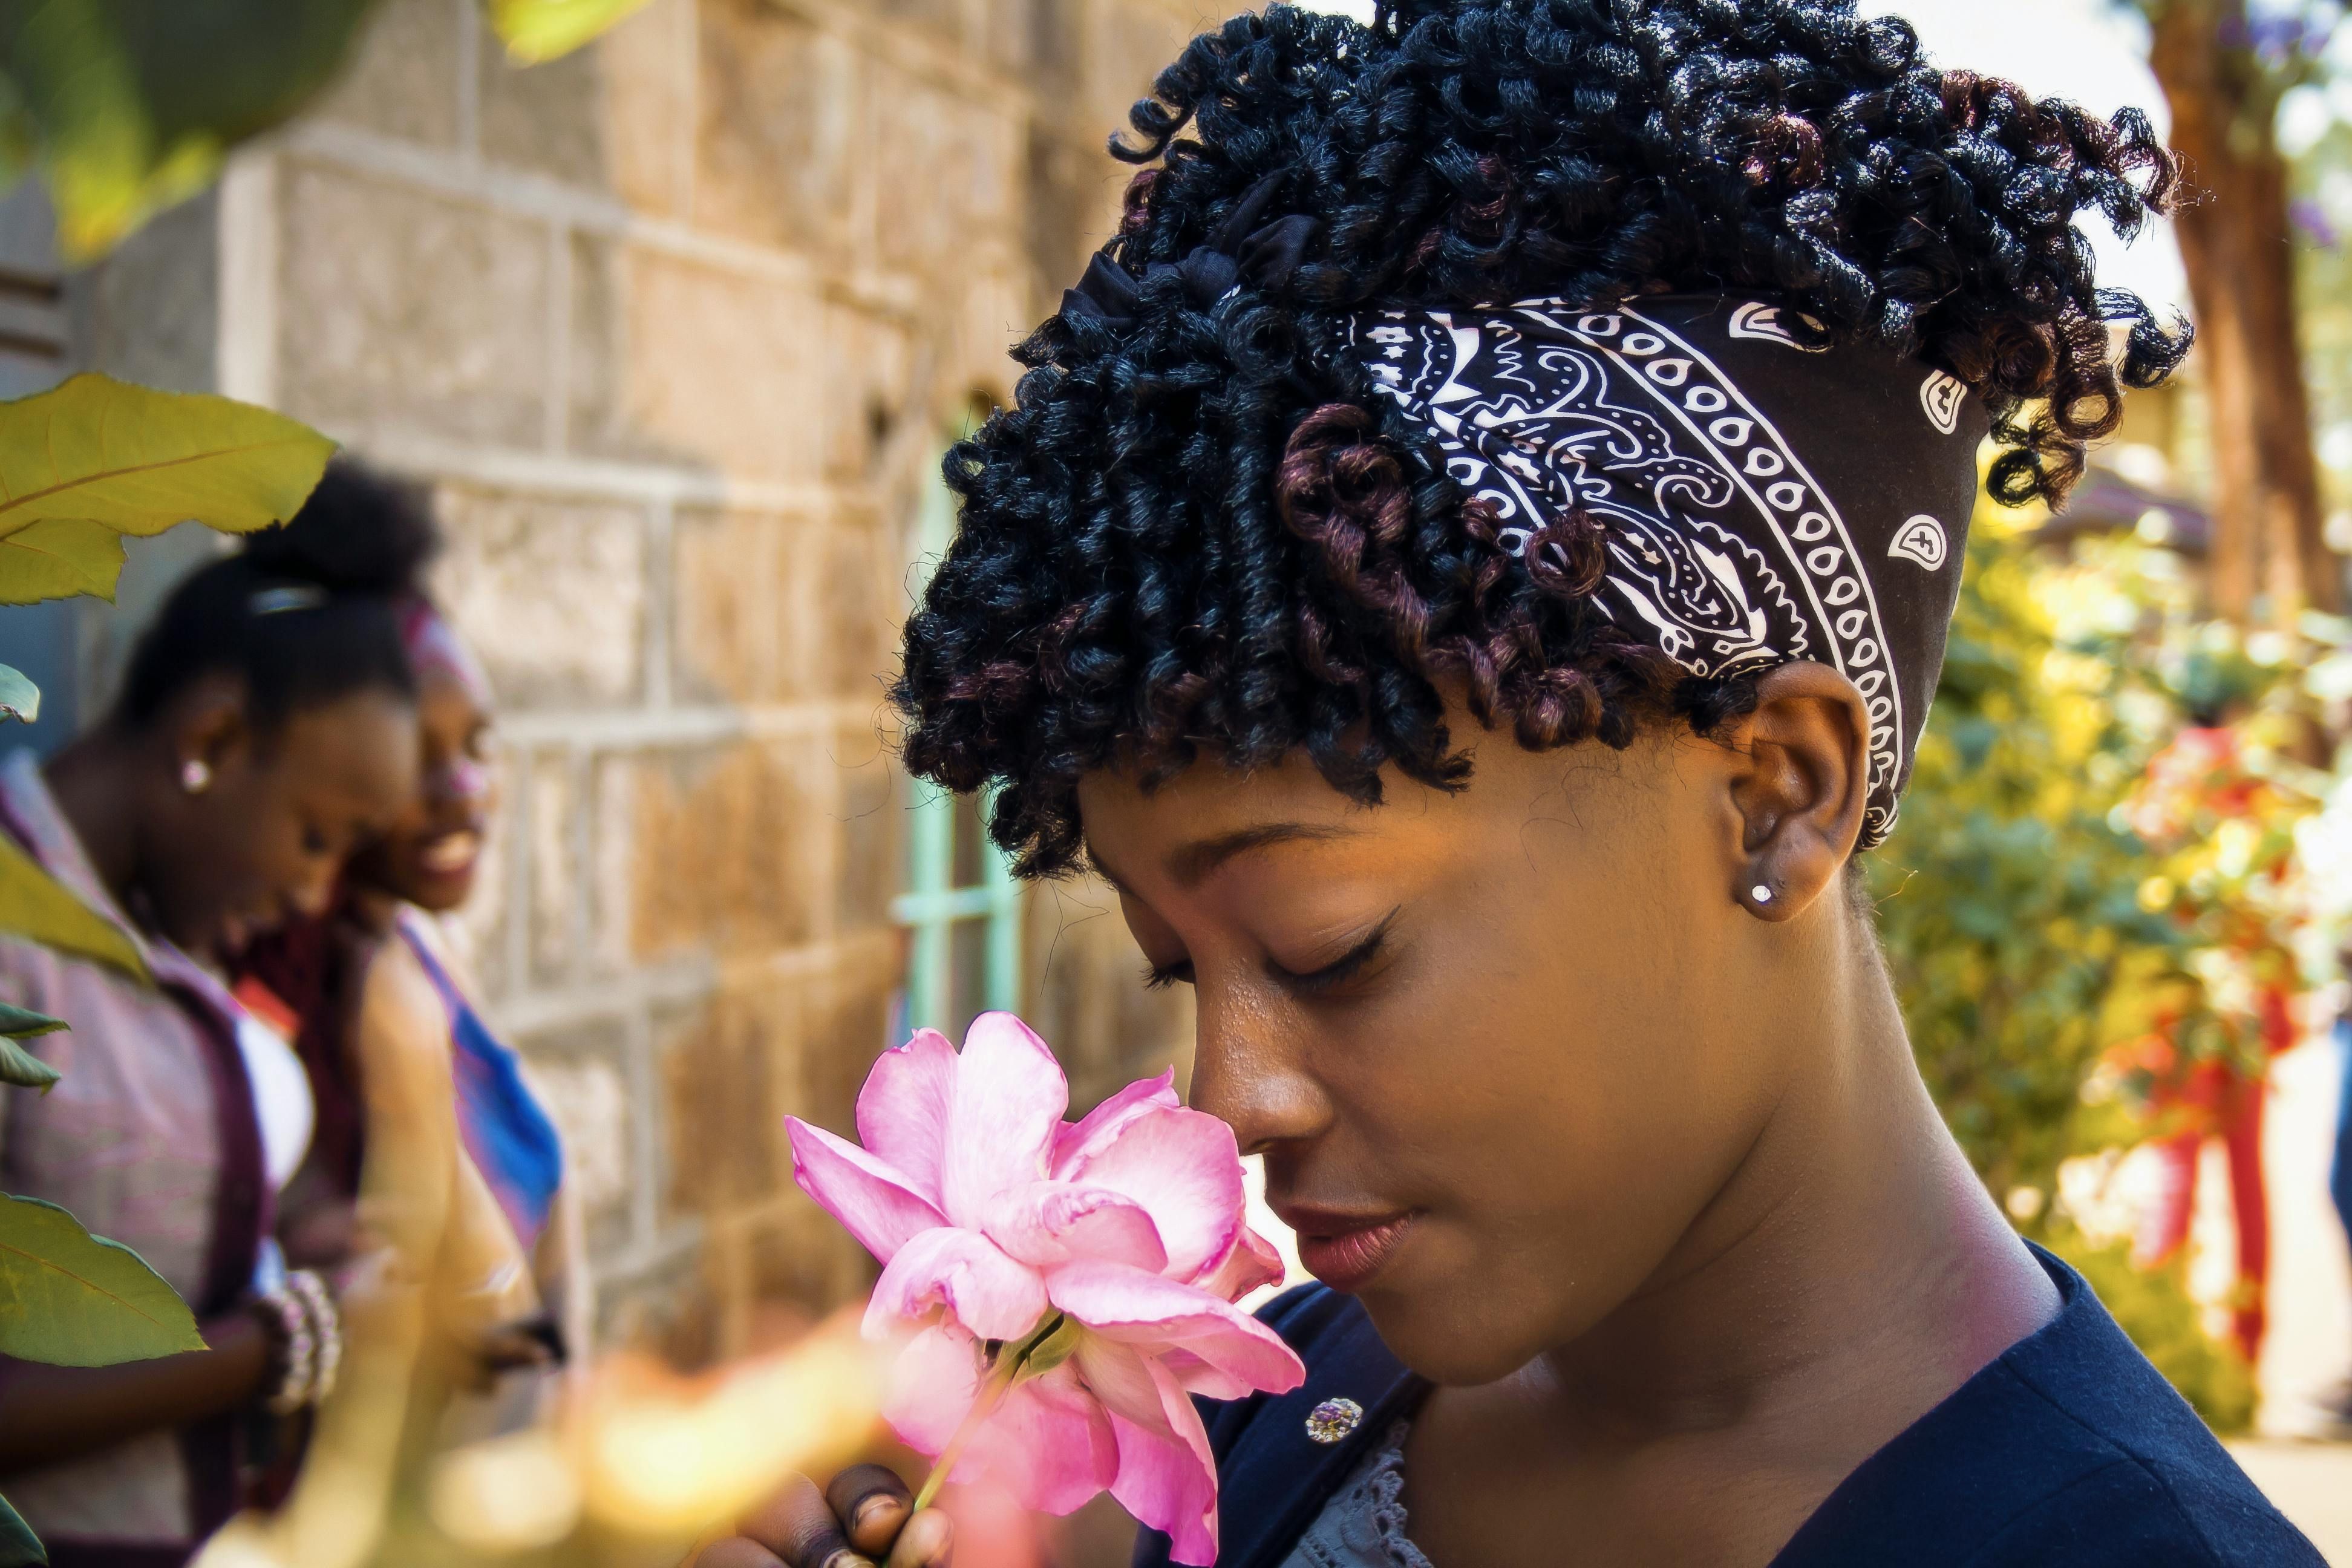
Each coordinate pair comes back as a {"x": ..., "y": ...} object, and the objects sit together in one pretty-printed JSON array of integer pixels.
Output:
[{"x": 278, "y": 601}]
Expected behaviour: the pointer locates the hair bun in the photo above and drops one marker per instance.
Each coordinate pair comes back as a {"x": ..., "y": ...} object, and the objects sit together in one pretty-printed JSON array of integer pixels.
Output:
[{"x": 358, "y": 533}]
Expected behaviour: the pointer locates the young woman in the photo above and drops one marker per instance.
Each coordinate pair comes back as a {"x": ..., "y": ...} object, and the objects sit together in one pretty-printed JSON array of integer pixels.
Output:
[
  {"x": 430, "y": 1143},
  {"x": 1469, "y": 564},
  {"x": 265, "y": 726}
]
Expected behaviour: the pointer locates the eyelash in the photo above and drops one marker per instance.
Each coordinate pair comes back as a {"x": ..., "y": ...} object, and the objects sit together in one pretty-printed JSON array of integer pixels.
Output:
[
  {"x": 1346, "y": 967},
  {"x": 1158, "y": 977}
]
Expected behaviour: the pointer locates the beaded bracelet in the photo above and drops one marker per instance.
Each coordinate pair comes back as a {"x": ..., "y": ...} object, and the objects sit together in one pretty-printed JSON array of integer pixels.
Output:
[
  {"x": 326, "y": 1326},
  {"x": 294, "y": 1350}
]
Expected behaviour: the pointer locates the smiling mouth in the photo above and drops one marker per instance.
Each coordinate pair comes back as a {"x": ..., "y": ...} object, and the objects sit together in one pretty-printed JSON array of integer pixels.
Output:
[
  {"x": 1348, "y": 1254},
  {"x": 451, "y": 854}
]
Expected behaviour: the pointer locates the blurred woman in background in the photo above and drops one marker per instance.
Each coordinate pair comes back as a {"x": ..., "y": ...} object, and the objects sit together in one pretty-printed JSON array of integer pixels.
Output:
[
  {"x": 427, "y": 1133},
  {"x": 267, "y": 727}
]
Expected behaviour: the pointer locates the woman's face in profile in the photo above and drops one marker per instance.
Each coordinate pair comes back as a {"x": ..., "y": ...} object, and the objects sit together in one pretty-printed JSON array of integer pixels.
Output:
[
  {"x": 1499, "y": 1048},
  {"x": 430, "y": 857},
  {"x": 267, "y": 837}
]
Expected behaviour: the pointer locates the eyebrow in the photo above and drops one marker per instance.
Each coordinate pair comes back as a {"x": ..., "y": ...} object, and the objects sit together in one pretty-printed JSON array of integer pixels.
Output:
[{"x": 1191, "y": 864}]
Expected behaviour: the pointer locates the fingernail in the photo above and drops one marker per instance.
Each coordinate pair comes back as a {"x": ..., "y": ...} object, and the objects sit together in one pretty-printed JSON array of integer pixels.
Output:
[{"x": 871, "y": 1510}]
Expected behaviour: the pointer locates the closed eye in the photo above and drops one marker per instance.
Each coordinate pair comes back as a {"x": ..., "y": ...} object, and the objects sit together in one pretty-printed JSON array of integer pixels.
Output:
[
  {"x": 1344, "y": 968},
  {"x": 1160, "y": 976}
]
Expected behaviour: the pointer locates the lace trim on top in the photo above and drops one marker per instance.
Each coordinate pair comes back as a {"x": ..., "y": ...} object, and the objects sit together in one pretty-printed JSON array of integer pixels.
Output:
[
  {"x": 1384, "y": 1484},
  {"x": 1363, "y": 1525}
]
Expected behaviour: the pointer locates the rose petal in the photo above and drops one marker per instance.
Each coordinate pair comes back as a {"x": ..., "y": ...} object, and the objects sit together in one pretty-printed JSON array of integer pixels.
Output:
[
  {"x": 1252, "y": 1263},
  {"x": 1008, "y": 1103},
  {"x": 1167, "y": 1478},
  {"x": 1131, "y": 1307},
  {"x": 965, "y": 1272},
  {"x": 932, "y": 1385},
  {"x": 1102, "y": 1123},
  {"x": 1050, "y": 1223},
  {"x": 1051, "y": 1442},
  {"x": 872, "y": 1201},
  {"x": 1184, "y": 1168},
  {"x": 1197, "y": 1376},
  {"x": 902, "y": 1111}
]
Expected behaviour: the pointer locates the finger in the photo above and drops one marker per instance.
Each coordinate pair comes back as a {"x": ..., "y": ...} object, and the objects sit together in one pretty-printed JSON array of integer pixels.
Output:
[
  {"x": 927, "y": 1542},
  {"x": 736, "y": 1553},
  {"x": 795, "y": 1524},
  {"x": 872, "y": 1503}
]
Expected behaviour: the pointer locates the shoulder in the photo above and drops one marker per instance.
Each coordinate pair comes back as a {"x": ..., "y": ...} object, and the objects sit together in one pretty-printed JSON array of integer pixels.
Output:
[
  {"x": 2126, "y": 1514},
  {"x": 2071, "y": 1448},
  {"x": 403, "y": 1035}
]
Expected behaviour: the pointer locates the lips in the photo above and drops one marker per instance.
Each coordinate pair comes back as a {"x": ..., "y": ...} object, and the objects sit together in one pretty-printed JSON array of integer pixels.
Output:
[
  {"x": 1348, "y": 1251},
  {"x": 451, "y": 855}
]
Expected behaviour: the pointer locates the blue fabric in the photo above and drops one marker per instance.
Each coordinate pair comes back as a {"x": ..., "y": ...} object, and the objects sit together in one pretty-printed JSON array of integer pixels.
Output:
[
  {"x": 2070, "y": 1449},
  {"x": 512, "y": 1143},
  {"x": 2339, "y": 1182}
]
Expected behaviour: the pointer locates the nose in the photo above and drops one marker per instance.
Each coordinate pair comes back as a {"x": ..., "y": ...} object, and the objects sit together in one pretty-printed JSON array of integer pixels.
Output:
[{"x": 1248, "y": 1070}]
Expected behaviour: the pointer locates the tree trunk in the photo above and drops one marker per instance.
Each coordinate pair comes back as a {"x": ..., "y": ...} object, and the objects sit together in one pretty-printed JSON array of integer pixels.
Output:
[{"x": 2269, "y": 558}]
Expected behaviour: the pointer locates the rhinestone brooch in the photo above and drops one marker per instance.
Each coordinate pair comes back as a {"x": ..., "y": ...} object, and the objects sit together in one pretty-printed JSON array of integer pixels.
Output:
[{"x": 1333, "y": 1419}]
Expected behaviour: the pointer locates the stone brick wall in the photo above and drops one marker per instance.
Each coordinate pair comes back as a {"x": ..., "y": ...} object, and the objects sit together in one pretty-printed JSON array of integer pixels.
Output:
[{"x": 676, "y": 329}]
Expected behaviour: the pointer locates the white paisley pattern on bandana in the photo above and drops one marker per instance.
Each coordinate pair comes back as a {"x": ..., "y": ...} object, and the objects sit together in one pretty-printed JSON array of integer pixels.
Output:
[{"x": 1725, "y": 550}]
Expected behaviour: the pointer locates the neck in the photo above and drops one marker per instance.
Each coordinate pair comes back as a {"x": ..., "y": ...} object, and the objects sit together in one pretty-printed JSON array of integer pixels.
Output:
[
  {"x": 1852, "y": 1259},
  {"x": 97, "y": 782}
]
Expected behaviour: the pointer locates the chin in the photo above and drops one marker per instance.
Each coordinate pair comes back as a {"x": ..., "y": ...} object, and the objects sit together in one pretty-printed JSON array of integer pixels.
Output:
[
  {"x": 1451, "y": 1335},
  {"x": 438, "y": 893}
]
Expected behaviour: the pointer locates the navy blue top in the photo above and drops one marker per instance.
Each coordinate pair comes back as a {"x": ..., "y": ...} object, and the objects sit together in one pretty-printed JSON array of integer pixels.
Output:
[{"x": 2071, "y": 1448}]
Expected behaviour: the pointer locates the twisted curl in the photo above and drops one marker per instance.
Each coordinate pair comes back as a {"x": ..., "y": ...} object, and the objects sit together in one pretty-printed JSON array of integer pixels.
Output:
[{"x": 1201, "y": 530}]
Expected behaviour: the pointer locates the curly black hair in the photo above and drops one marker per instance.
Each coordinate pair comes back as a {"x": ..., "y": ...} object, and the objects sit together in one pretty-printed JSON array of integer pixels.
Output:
[{"x": 1199, "y": 529}]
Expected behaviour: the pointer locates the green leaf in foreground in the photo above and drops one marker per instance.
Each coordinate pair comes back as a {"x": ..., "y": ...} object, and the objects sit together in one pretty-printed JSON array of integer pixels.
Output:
[
  {"x": 18, "y": 1065},
  {"x": 88, "y": 462},
  {"x": 23, "y": 1069},
  {"x": 536, "y": 30},
  {"x": 19, "y": 1547},
  {"x": 71, "y": 1299},
  {"x": 19, "y": 697},
  {"x": 39, "y": 908}
]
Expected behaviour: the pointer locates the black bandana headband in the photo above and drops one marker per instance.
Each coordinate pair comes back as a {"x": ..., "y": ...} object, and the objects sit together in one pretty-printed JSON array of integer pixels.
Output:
[{"x": 1764, "y": 500}]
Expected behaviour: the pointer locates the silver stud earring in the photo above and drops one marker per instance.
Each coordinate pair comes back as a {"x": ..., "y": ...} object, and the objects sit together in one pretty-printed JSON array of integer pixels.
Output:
[
  {"x": 1760, "y": 895},
  {"x": 195, "y": 775}
]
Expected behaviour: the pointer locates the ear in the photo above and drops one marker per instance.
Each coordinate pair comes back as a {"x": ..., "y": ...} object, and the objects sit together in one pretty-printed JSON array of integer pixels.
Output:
[
  {"x": 1800, "y": 788},
  {"x": 209, "y": 727}
]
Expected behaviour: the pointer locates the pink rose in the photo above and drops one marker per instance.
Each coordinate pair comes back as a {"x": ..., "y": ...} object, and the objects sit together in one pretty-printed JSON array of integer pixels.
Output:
[{"x": 1065, "y": 1287}]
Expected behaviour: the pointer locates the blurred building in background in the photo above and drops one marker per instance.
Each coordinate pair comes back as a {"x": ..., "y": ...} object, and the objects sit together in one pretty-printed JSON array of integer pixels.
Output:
[{"x": 677, "y": 330}]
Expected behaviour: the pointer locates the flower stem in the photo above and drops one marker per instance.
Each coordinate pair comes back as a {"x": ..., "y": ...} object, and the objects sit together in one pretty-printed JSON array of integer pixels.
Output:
[{"x": 1000, "y": 1380}]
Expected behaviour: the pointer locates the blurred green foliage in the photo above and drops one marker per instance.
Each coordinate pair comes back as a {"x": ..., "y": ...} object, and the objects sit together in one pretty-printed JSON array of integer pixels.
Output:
[
  {"x": 2009, "y": 896},
  {"x": 128, "y": 106}
]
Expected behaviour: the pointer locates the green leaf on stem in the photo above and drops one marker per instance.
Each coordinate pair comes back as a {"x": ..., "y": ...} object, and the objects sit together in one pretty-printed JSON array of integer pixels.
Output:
[
  {"x": 19, "y": 1547},
  {"x": 19, "y": 697},
  {"x": 71, "y": 1299},
  {"x": 18, "y": 1065}
]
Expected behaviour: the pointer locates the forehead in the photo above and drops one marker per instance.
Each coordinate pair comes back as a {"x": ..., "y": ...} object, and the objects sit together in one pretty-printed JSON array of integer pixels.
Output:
[{"x": 358, "y": 752}]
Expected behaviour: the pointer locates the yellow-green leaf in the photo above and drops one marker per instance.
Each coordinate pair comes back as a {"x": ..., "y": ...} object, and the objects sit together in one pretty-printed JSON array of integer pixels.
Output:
[
  {"x": 71, "y": 1299},
  {"x": 39, "y": 908},
  {"x": 536, "y": 30},
  {"x": 95, "y": 458},
  {"x": 58, "y": 558},
  {"x": 18, "y": 696},
  {"x": 19, "y": 1547}
]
